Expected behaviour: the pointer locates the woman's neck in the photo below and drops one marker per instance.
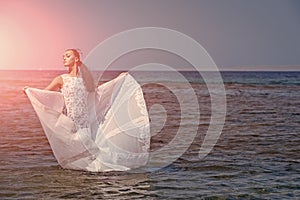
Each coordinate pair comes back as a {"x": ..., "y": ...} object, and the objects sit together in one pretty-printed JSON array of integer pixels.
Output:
[{"x": 73, "y": 70}]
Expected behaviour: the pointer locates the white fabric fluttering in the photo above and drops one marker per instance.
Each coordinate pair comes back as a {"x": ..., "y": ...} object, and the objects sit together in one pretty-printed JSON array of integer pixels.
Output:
[{"x": 117, "y": 135}]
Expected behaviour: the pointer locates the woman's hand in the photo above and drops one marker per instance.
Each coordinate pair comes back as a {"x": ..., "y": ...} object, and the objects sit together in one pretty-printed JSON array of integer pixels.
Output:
[
  {"x": 123, "y": 74},
  {"x": 24, "y": 89}
]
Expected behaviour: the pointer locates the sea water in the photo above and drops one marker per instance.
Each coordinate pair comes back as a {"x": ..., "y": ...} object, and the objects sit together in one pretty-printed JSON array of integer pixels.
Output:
[{"x": 256, "y": 157}]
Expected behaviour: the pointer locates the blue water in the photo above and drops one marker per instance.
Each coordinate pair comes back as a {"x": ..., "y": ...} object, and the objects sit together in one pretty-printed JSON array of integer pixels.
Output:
[
  {"x": 256, "y": 157},
  {"x": 264, "y": 78}
]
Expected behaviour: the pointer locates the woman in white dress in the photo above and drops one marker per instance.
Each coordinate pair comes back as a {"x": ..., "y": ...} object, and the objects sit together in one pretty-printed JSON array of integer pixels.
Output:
[
  {"x": 74, "y": 88},
  {"x": 93, "y": 128}
]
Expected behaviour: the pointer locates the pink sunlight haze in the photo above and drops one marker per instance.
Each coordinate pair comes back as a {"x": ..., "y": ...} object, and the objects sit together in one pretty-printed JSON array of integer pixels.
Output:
[{"x": 239, "y": 35}]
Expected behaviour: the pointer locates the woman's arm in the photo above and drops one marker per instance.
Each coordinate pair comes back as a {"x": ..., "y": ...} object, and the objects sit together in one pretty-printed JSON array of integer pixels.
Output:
[
  {"x": 87, "y": 78},
  {"x": 55, "y": 84}
]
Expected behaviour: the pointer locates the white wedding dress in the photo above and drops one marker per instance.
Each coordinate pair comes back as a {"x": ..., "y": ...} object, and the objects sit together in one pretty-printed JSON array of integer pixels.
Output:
[{"x": 100, "y": 131}]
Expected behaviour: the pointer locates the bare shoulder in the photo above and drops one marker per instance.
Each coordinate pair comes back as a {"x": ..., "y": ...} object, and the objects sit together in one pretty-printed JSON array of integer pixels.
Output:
[
  {"x": 56, "y": 84},
  {"x": 58, "y": 80}
]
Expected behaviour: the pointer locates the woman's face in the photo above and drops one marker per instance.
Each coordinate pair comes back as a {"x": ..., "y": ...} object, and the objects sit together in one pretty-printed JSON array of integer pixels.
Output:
[{"x": 69, "y": 58}]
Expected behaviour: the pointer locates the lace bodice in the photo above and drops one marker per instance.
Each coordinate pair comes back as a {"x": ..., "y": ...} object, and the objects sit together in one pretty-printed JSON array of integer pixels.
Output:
[
  {"x": 75, "y": 96},
  {"x": 121, "y": 141}
]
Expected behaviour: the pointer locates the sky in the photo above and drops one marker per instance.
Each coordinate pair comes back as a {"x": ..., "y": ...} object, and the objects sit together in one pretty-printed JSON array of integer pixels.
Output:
[{"x": 237, "y": 34}]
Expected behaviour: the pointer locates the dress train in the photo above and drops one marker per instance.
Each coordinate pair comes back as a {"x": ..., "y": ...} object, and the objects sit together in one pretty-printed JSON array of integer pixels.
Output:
[{"x": 118, "y": 135}]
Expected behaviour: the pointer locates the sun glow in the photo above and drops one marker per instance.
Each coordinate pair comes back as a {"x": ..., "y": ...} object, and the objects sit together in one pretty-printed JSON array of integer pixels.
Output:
[
  {"x": 8, "y": 41},
  {"x": 13, "y": 39},
  {"x": 27, "y": 35}
]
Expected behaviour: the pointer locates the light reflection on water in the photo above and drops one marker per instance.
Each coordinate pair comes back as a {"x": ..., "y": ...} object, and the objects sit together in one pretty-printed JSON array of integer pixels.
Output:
[{"x": 257, "y": 155}]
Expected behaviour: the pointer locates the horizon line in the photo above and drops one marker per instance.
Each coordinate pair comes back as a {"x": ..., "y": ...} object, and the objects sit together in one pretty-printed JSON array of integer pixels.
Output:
[
  {"x": 179, "y": 70},
  {"x": 221, "y": 68}
]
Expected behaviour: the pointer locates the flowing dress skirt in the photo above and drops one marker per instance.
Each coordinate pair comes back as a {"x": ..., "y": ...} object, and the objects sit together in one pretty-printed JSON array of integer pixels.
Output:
[{"x": 118, "y": 137}]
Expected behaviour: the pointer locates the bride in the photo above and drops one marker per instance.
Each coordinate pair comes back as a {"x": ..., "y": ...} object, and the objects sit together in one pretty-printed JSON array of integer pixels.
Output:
[{"x": 93, "y": 128}]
